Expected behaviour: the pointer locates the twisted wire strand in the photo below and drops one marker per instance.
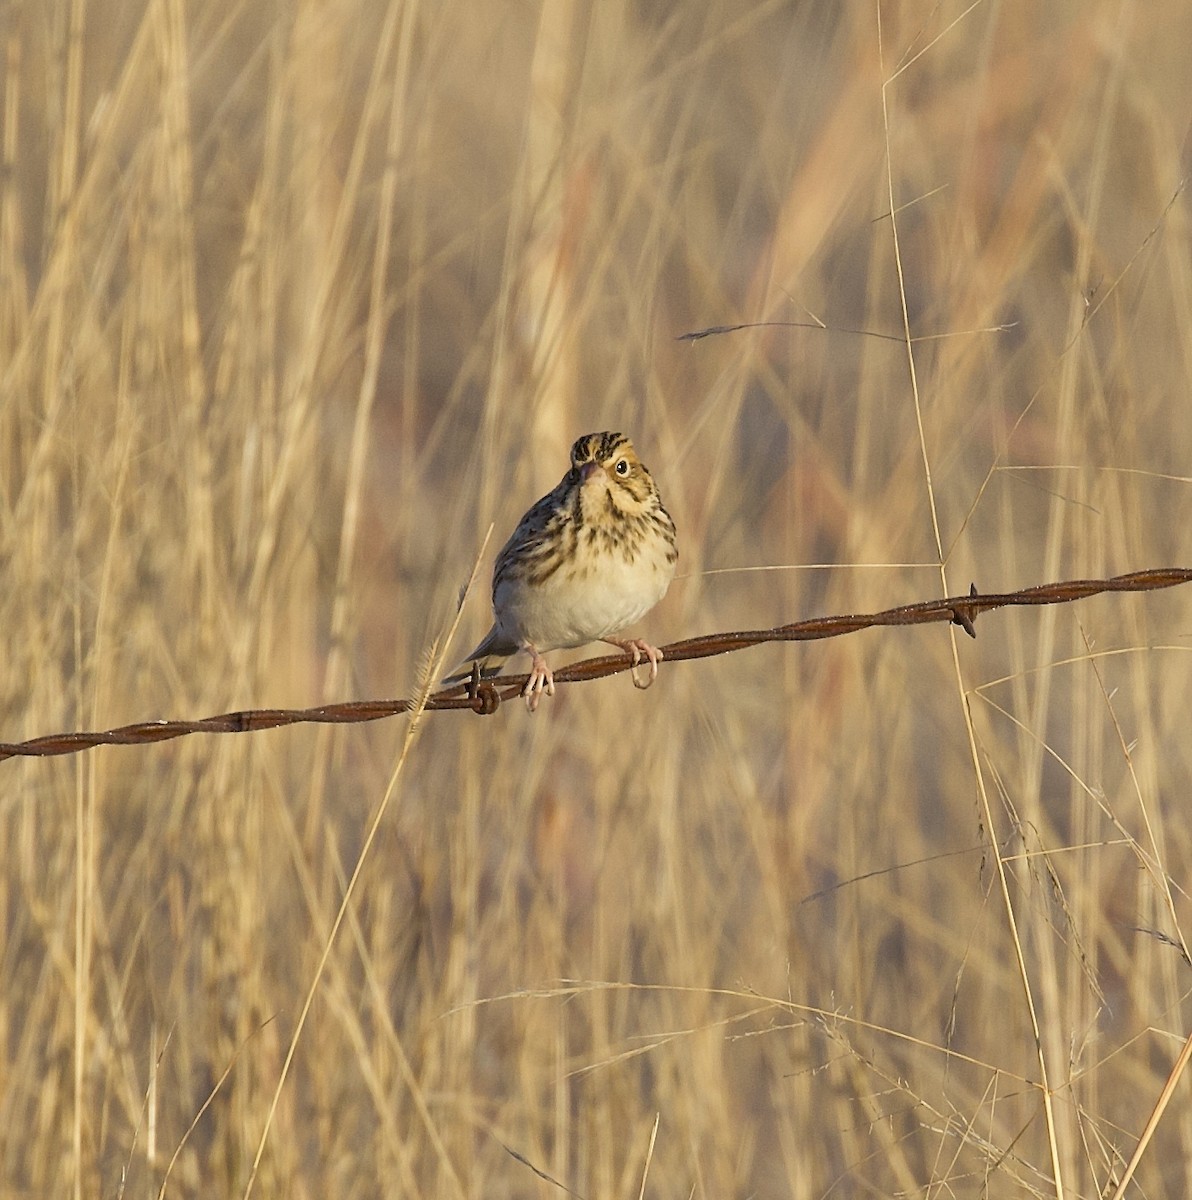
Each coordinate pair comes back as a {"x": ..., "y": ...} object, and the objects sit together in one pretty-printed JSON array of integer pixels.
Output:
[{"x": 486, "y": 696}]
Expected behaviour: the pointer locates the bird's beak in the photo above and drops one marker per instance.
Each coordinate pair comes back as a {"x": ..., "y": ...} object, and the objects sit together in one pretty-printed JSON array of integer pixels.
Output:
[{"x": 587, "y": 471}]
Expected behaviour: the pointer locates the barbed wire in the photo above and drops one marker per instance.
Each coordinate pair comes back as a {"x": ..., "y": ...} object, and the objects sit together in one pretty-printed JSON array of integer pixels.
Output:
[{"x": 485, "y": 696}]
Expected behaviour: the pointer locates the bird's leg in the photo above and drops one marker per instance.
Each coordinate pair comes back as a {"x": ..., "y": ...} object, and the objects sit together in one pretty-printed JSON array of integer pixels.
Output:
[
  {"x": 541, "y": 680},
  {"x": 639, "y": 649}
]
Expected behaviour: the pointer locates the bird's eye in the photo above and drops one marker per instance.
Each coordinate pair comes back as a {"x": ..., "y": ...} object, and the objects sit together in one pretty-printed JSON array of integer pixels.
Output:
[{"x": 622, "y": 467}]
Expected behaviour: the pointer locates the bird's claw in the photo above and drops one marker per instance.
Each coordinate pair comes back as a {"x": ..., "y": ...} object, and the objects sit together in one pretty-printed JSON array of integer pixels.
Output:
[
  {"x": 541, "y": 680},
  {"x": 639, "y": 649}
]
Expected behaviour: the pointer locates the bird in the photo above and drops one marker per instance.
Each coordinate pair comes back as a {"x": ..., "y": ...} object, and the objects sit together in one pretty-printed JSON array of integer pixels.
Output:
[{"x": 590, "y": 558}]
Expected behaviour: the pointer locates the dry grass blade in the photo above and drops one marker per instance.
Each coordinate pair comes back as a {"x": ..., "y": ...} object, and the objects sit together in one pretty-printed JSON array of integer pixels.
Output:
[
  {"x": 544, "y": 1175},
  {"x": 433, "y": 667},
  {"x": 1169, "y": 1086},
  {"x": 649, "y": 1156}
]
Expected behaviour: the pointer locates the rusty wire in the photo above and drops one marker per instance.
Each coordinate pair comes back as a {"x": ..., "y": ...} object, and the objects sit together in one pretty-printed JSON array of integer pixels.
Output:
[{"x": 486, "y": 697}]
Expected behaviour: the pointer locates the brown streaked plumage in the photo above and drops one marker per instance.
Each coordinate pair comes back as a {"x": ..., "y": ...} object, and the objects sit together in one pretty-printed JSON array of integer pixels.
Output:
[{"x": 591, "y": 557}]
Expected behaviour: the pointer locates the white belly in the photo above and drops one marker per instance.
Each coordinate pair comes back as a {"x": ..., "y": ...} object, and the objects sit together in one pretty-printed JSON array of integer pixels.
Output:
[{"x": 565, "y": 610}]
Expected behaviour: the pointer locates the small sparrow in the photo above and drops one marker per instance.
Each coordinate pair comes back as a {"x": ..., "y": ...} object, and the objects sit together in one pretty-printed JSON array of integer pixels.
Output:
[{"x": 587, "y": 560}]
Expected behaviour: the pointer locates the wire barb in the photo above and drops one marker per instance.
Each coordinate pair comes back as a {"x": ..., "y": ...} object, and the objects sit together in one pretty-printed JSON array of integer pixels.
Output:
[
  {"x": 964, "y": 615},
  {"x": 485, "y": 697}
]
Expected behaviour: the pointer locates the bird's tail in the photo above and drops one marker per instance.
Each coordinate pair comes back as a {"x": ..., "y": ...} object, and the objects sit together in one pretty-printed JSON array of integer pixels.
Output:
[{"x": 490, "y": 654}]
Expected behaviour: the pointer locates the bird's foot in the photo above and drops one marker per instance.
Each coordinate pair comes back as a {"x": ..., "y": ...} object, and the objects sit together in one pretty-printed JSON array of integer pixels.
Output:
[
  {"x": 639, "y": 649},
  {"x": 540, "y": 680}
]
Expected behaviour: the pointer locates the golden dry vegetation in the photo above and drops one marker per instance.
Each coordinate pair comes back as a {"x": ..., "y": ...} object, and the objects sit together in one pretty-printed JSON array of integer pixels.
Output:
[{"x": 296, "y": 299}]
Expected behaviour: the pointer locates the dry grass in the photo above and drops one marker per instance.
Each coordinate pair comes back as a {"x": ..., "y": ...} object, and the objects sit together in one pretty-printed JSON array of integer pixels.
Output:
[{"x": 296, "y": 299}]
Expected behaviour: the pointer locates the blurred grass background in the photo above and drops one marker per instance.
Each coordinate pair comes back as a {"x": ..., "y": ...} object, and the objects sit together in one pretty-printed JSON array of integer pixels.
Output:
[{"x": 296, "y": 299}]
